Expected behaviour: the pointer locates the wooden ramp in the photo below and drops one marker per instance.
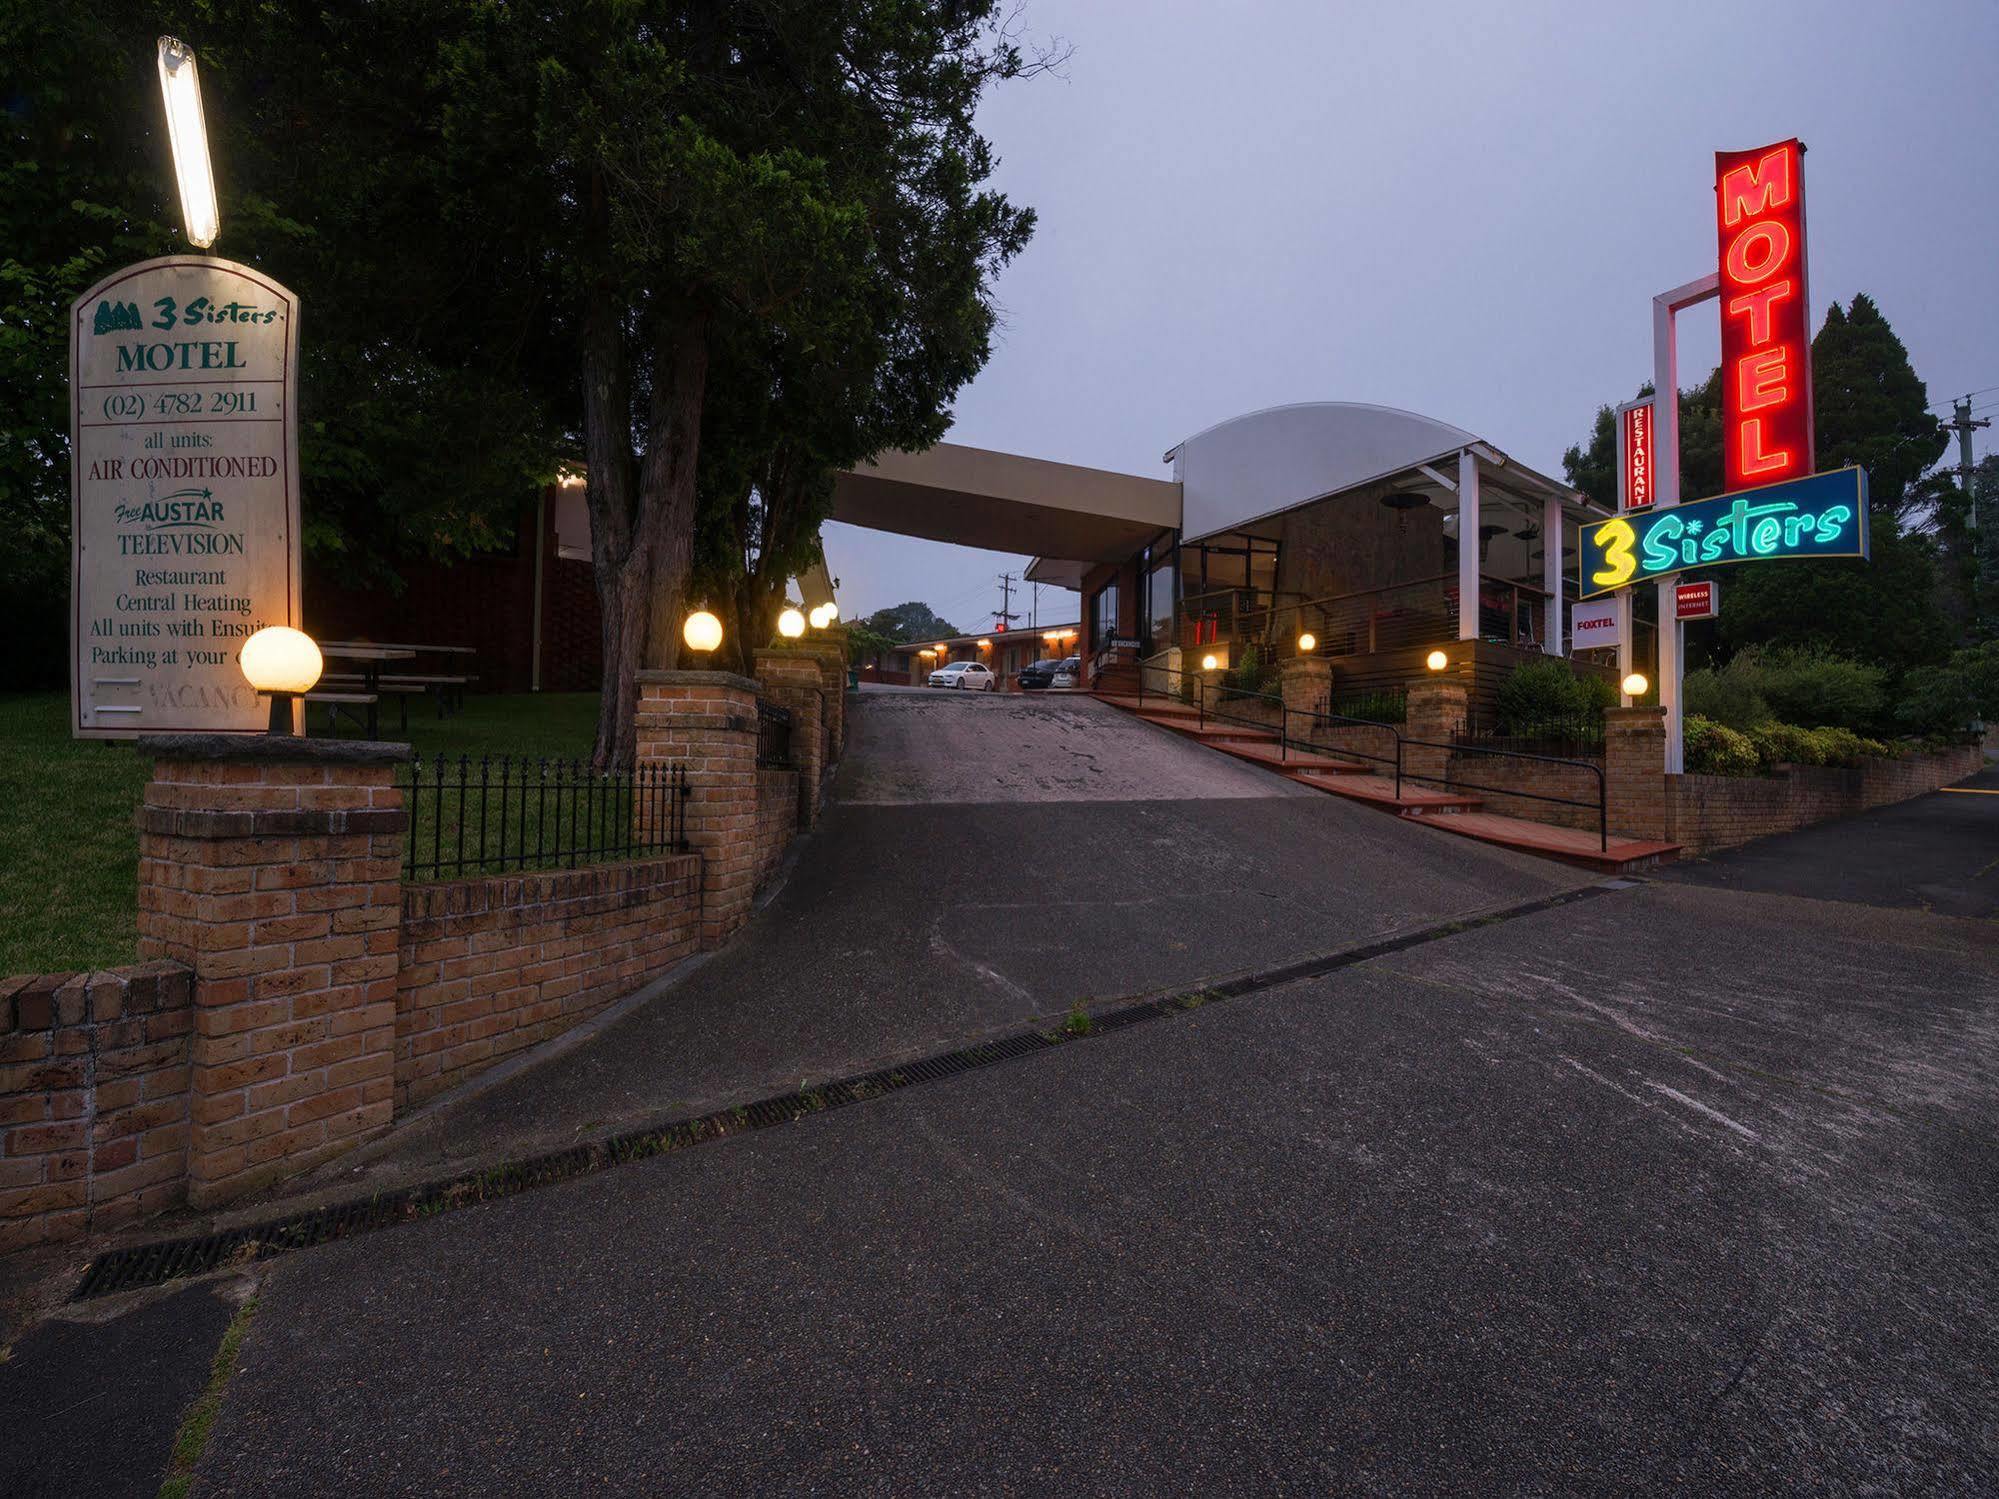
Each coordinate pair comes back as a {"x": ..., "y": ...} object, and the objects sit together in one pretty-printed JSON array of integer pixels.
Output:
[{"x": 1461, "y": 813}]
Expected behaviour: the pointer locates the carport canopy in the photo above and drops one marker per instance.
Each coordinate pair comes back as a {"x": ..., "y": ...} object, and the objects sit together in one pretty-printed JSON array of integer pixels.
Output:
[{"x": 1006, "y": 503}]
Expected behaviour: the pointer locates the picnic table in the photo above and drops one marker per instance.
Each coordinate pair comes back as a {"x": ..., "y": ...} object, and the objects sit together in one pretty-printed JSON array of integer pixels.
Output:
[
  {"x": 359, "y": 692},
  {"x": 371, "y": 657}
]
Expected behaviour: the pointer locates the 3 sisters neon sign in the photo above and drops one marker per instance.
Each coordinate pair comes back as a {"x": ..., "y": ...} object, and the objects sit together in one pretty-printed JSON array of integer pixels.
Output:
[{"x": 1766, "y": 351}]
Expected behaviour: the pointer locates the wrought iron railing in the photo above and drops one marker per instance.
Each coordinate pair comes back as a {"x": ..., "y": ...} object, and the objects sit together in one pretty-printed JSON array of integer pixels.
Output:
[
  {"x": 1568, "y": 735},
  {"x": 773, "y": 736},
  {"x": 501, "y": 813}
]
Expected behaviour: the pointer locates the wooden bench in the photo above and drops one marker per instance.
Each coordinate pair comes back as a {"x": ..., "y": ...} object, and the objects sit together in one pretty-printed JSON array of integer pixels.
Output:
[{"x": 336, "y": 701}]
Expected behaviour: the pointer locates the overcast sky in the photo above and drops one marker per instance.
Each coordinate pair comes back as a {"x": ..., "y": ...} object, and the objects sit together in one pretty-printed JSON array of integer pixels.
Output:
[{"x": 1462, "y": 209}]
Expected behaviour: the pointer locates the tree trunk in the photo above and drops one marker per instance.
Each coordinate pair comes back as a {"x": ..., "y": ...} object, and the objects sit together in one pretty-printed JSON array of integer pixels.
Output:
[{"x": 644, "y": 602}]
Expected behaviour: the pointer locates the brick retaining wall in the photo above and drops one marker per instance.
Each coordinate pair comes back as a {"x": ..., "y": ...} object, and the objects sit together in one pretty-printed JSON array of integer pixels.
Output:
[
  {"x": 490, "y": 967},
  {"x": 93, "y": 1099},
  {"x": 1706, "y": 813},
  {"x": 1479, "y": 773},
  {"x": 777, "y": 819}
]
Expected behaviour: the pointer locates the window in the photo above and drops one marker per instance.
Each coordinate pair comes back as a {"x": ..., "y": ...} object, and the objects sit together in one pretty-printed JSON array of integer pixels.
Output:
[
  {"x": 1160, "y": 604},
  {"x": 1103, "y": 615}
]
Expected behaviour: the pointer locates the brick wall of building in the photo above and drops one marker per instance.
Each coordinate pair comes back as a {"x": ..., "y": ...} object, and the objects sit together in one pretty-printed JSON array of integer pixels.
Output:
[
  {"x": 489, "y": 967},
  {"x": 93, "y": 1099},
  {"x": 1706, "y": 813}
]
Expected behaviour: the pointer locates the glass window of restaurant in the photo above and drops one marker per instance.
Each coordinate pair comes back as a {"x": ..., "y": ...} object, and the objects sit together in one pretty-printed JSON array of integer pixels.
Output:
[
  {"x": 1222, "y": 579},
  {"x": 1103, "y": 616},
  {"x": 1157, "y": 620}
]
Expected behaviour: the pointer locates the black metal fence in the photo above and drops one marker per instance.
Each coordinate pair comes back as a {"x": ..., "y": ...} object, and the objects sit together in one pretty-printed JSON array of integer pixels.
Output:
[
  {"x": 1372, "y": 707},
  {"x": 773, "y": 736},
  {"x": 1570, "y": 736},
  {"x": 501, "y": 813}
]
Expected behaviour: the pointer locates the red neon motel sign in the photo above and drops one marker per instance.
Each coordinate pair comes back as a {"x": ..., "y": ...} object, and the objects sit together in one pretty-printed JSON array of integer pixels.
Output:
[
  {"x": 1766, "y": 351},
  {"x": 1635, "y": 456}
]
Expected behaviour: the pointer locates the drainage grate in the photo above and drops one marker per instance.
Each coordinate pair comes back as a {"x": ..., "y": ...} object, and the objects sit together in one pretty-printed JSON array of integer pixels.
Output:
[{"x": 172, "y": 1259}]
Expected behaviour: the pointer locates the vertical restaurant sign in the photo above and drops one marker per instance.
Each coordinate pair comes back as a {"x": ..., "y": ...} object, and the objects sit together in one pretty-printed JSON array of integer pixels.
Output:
[
  {"x": 184, "y": 494},
  {"x": 1766, "y": 351},
  {"x": 1636, "y": 453}
]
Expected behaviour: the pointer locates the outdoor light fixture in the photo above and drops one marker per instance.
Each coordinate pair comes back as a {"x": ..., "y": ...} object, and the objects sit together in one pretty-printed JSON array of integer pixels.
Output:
[
  {"x": 822, "y": 615},
  {"x": 281, "y": 663},
  {"x": 985, "y": 645},
  {"x": 1209, "y": 663},
  {"x": 181, "y": 89},
  {"x": 702, "y": 632},
  {"x": 1635, "y": 685},
  {"x": 1052, "y": 636},
  {"x": 1307, "y": 643},
  {"x": 791, "y": 624},
  {"x": 1437, "y": 661}
]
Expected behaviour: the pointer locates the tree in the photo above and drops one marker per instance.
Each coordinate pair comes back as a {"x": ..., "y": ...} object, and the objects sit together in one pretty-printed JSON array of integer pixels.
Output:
[
  {"x": 1872, "y": 410},
  {"x": 720, "y": 179},
  {"x": 422, "y": 422},
  {"x": 906, "y": 624}
]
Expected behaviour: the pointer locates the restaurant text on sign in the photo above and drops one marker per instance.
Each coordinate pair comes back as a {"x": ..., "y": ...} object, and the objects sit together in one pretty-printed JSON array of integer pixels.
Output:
[
  {"x": 1636, "y": 458},
  {"x": 1766, "y": 369}
]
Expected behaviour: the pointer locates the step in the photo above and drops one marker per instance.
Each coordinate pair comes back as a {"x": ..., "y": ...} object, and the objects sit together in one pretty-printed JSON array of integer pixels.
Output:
[
  {"x": 1379, "y": 791},
  {"x": 1567, "y": 844}
]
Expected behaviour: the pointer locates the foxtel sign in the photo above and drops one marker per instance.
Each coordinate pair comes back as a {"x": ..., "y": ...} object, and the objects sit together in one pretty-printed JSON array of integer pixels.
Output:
[
  {"x": 1823, "y": 515},
  {"x": 1766, "y": 348}
]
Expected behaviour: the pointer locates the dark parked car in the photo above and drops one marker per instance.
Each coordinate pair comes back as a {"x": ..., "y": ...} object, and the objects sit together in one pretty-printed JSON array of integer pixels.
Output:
[{"x": 1037, "y": 674}]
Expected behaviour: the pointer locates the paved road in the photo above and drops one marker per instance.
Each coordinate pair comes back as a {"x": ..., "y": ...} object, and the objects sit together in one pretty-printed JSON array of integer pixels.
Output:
[
  {"x": 1684, "y": 1184},
  {"x": 1937, "y": 853},
  {"x": 1671, "y": 1188},
  {"x": 908, "y": 927}
]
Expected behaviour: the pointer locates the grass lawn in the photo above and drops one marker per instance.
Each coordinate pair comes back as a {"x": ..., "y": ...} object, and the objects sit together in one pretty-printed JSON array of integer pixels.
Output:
[{"x": 69, "y": 852}]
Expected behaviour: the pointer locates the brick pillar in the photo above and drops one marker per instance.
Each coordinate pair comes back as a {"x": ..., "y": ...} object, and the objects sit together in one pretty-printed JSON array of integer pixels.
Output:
[
  {"x": 1634, "y": 771},
  {"x": 707, "y": 721},
  {"x": 793, "y": 679},
  {"x": 1306, "y": 683},
  {"x": 1437, "y": 710},
  {"x": 829, "y": 648},
  {"x": 272, "y": 867}
]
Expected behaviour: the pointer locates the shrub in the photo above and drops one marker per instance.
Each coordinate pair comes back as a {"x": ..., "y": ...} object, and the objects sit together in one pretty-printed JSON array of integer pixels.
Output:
[
  {"x": 1726, "y": 697},
  {"x": 1717, "y": 750},
  {"x": 1787, "y": 744},
  {"x": 1840, "y": 746},
  {"x": 1948, "y": 699},
  {"x": 1814, "y": 688},
  {"x": 1548, "y": 697}
]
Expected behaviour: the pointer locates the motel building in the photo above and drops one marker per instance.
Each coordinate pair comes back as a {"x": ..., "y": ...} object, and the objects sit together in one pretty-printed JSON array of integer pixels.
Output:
[
  {"x": 1380, "y": 533},
  {"x": 1005, "y": 651}
]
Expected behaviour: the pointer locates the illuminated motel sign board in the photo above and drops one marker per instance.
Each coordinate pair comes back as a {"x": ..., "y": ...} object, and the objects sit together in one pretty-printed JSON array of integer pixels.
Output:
[
  {"x": 1637, "y": 455},
  {"x": 1821, "y": 515},
  {"x": 1772, "y": 505},
  {"x": 1766, "y": 347}
]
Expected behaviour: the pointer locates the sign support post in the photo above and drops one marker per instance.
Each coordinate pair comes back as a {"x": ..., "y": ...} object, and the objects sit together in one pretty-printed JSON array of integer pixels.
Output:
[{"x": 1666, "y": 308}]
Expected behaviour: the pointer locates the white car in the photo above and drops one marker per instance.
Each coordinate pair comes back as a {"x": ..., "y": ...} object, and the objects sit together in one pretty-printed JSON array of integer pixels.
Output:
[{"x": 966, "y": 676}]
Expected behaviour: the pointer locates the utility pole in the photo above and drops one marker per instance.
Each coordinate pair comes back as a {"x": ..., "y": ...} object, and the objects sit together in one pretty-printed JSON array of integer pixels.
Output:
[
  {"x": 1006, "y": 616},
  {"x": 1962, "y": 424},
  {"x": 1034, "y": 610}
]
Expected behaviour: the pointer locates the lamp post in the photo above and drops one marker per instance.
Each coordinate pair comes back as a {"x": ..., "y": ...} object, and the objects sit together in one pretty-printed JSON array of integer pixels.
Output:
[
  {"x": 282, "y": 664},
  {"x": 791, "y": 624},
  {"x": 180, "y": 88},
  {"x": 1437, "y": 661}
]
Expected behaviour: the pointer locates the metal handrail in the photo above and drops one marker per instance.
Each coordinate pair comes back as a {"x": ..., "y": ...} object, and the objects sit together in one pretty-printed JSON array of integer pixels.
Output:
[
  {"x": 1285, "y": 713},
  {"x": 1602, "y": 796}
]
